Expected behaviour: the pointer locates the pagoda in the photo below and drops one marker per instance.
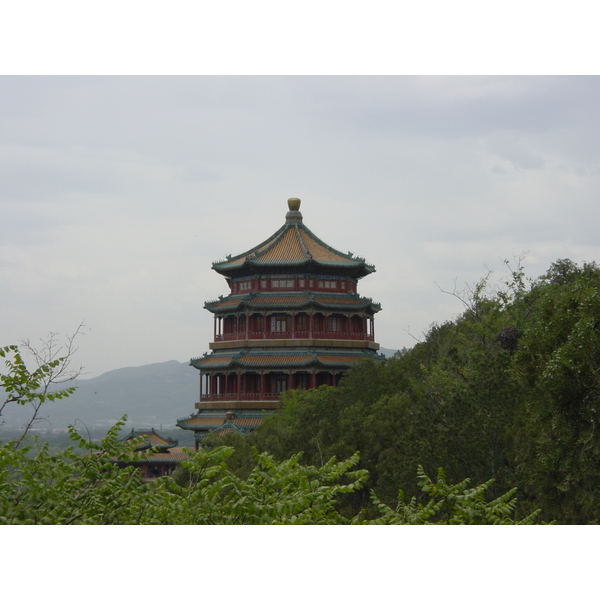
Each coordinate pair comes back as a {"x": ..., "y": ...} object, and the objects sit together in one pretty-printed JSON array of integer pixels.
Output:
[{"x": 293, "y": 320}]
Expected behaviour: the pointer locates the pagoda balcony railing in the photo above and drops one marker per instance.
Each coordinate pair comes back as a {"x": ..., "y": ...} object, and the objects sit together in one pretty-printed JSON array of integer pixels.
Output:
[
  {"x": 278, "y": 335},
  {"x": 340, "y": 335},
  {"x": 232, "y": 336},
  {"x": 269, "y": 335},
  {"x": 243, "y": 396},
  {"x": 301, "y": 335}
]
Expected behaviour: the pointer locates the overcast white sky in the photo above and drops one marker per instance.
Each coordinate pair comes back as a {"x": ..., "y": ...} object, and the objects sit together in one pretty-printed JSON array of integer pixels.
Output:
[{"x": 118, "y": 193}]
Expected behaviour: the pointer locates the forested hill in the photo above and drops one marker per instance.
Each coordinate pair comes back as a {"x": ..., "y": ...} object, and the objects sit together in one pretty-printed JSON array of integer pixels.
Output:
[
  {"x": 509, "y": 391},
  {"x": 152, "y": 395}
]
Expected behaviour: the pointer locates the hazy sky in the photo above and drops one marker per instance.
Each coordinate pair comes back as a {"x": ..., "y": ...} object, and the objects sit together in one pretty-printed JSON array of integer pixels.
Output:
[{"x": 118, "y": 193}]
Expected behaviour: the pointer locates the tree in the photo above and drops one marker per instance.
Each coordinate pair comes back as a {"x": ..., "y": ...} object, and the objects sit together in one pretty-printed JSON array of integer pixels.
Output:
[
  {"x": 33, "y": 388},
  {"x": 558, "y": 367}
]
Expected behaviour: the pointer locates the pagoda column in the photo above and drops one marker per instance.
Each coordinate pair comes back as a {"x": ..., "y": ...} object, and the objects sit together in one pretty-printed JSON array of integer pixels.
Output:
[
  {"x": 239, "y": 385},
  {"x": 262, "y": 385}
]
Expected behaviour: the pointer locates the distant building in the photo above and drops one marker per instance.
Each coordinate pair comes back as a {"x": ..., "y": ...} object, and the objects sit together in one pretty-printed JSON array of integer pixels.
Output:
[
  {"x": 293, "y": 320},
  {"x": 164, "y": 462}
]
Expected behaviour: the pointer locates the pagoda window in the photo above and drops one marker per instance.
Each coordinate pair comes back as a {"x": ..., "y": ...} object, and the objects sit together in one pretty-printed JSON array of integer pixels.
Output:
[
  {"x": 336, "y": 324},
  {"x": 263, "y": 283},
  {"x": 257, "y": 324},
  {"x": 302, "y": 381},
  {"x": 357, "y": 324},
  {"x": 282, "y": 283},
  {"x": 302, "y": 323},
  {"x": 279, "y": 384},
  {"x": 319, "y": 322},
  {"x": 230, "y": 325},
  {"x": 245, "y": 285},
  {"x": 279, "y": 324},
  {"x": 301, "y": 283}
]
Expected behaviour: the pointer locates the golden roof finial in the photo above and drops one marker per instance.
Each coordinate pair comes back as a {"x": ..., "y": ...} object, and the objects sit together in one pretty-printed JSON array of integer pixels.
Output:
[{"x": 294, "y": 204}]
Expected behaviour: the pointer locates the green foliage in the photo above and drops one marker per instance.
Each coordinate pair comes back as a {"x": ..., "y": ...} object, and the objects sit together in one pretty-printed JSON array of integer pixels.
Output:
[
  {"x": 558, "y": 367},
  {"x": 38, "y": 488},
  {"x": 91, "y": 489},
  {"x": 449, "y": 401},
  {"x": 507, "y": 392},
  {"x": 274, "y": 492},
  {"x": 455, "y": 504},
  {"x": 241, "y": 461}
]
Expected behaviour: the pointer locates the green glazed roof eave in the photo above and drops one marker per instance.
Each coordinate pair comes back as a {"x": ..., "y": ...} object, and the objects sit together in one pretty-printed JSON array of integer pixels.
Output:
[
  {"x": 248, "y": 361},
  {"x": 291, "y": 300}
]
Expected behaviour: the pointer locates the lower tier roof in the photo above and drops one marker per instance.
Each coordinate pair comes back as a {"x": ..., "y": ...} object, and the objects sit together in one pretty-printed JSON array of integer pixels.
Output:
[
  {"x": 214, "y": 421},
  {"x": 271, "y": 360},
  {"x": 260, "y": 301}
]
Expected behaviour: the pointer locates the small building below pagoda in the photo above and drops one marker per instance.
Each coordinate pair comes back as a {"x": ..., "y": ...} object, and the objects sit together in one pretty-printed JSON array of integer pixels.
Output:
[
  {"x": 163, "y": 462},
  {"x": 293, "y": 319}
]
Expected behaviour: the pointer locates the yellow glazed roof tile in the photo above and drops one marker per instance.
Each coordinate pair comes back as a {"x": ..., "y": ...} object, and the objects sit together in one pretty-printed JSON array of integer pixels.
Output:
[
  {"x": 319, "y": 251},
  {"x": 287, "y": 248}
]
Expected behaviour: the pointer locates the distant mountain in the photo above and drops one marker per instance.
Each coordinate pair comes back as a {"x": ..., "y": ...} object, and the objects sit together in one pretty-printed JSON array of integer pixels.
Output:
[
  {"x": 387, "y": 352},
  {"x": 151, "y": 395}
]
